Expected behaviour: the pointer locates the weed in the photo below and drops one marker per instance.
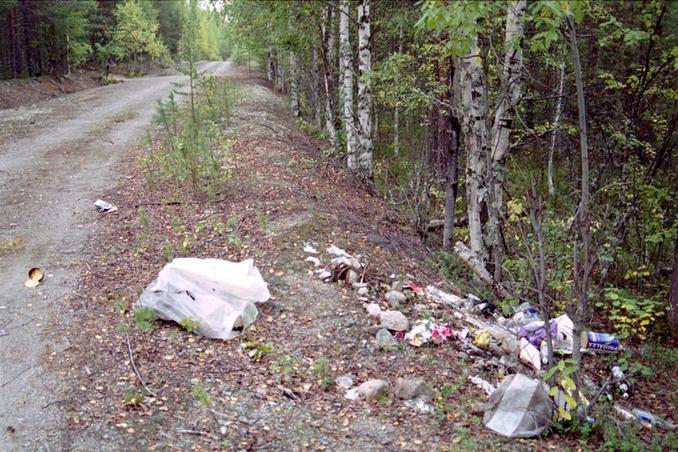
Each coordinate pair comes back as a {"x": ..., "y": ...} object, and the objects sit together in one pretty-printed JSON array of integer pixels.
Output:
[
  {"x": 262, "y": 219},
  {"x": 321, "y": 369},
  {"x": 202, "y": 396},
  {"x": 10, "y": 245},
  {"x": 190, "y": 324},
  {"x": 256, "y": 351},
  {"x": 134, "y": 398},
  {"x": 144, "y": 318}
]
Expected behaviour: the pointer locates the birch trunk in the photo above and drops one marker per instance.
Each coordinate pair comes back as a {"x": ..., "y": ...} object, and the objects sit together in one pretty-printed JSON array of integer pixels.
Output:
[
  {"x": 270, "y": 67},
  {"x": 396, "y": 113},
  {"x": 326, "y": 33},
  {"x": 364, "y": 92},
  {"x": 510, "y": 92},
  {"x": 347, "y": 85},
  {"x": 473, "y": 109},
  {"x": 294, "y": 84},
  {"x": 316, "y": 89},
  {"x": 554, "y": 134}
]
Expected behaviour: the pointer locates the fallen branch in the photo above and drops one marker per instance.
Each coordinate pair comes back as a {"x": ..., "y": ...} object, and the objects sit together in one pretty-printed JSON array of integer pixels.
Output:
[
  {"x": 472, "y": 261},
  {"x": 439, "y": 224},
  {"x": 134, "y": 366}
]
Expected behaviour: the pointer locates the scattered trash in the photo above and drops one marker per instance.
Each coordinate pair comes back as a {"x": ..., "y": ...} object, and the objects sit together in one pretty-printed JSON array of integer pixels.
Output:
[
  {"x": 482, "y": 338},
  {"x": 529, "y": 354},
  {"x": 601, "y": 342},
  {"x": 520, "y": 407},
  {"x": 314, "y": 260},
  {"x": 104, "y": 206},
  {"x": 35, "y": 275},
  {"x": 394, "y": 320},
  {"x": 344, "y": 381},
  {"x": 421, "y": 405},
  {"x": 483, "y": 384},
  {"x": 524, "y": 314},
  {"x": 218, "y": 295},
  {"x": 385, "y": 340},
  {"x": 368, "y": 390},
  {"x": 619, "y": 378},
  {"x": 309, "y": 249},
  {"x": 420, "y": 333},
  {"x": 413, "y": 388},
  {"x": 644, "y": 417},
  {"x": 441, "y": 297}
]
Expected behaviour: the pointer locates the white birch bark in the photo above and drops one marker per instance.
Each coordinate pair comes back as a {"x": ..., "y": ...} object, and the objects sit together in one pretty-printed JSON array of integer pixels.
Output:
[
  {"x": 316, "y": 89},
  {"x": 554, "y": 134},
  {"x": 396, "y": 113},
  {"x": 294, "y": 84},
  {"x": 510, "y": 92},
  {"x": 326, "y": 31},
  {"x": 364, "y": 91},
  {"x": 347, "y": 84},
  {"x": 270, "y": 67},
  {"x": 473, "y": 111}
]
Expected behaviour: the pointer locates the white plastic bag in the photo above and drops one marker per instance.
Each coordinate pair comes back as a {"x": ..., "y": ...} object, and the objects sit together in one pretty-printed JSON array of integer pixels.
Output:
[{"x": 219, "y": 295}]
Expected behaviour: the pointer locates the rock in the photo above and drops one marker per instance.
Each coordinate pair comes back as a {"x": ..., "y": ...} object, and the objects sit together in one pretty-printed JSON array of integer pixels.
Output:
[
  {"x": 309, "y": 249},
  {"x": 368, "y": 390},
  {"x": 385, "y": 340},
  {"x": 345, "y": 381},
  {"x": 378, "y": 239},
  {"x": 352, "y": 276},
  {"x": 359, "y": 285},
  {"x": 413, "y": 388},
  {"x": 394, "y": 320},
  {"x": 373, "y": 309},
  {"x": 363, "y": 291},
  {"x": 324, "y": 275},
  {"x": 394, "y": 298}
]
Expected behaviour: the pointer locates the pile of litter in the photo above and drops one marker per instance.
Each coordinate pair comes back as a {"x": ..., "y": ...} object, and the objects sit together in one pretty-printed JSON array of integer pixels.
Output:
[{"x": 521, "y": 405}]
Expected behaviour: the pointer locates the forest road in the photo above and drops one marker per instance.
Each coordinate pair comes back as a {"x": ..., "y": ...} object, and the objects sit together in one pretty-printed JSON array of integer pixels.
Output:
[{"x": 55, "y": 159}]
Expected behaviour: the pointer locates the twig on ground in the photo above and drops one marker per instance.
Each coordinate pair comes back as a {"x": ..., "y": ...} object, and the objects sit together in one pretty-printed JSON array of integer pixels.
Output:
[
  {"x": 134, "y": 366},
  {"x": 15, "y": 377}
]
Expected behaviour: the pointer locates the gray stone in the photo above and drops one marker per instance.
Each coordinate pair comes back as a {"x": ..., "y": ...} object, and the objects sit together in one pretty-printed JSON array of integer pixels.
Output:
[
  {"x": 394, "y": 320},
  {"x": 373, "y": 309},
  {"x": 352, "y": 276},
  {"x": 324, "y": 275},
  {"x": 368, "y": 390},
  {"x": 413, "y": 388},
  {"x": 363, "y": 291},
  {"x": 394, "y": 298},
  {"x": 385, "y": 340}
]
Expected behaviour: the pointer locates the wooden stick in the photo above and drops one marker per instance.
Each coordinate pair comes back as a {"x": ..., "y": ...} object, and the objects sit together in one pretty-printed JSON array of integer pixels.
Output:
[{"x": 134, "y": 366}]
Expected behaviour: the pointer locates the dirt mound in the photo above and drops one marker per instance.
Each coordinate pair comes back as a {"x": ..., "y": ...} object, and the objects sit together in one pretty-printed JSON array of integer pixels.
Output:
[{"x": 18, "y": 92}]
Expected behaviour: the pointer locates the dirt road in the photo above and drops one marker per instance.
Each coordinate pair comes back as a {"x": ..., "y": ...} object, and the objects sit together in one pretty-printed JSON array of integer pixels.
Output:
[{"x": 55, "y": 159}]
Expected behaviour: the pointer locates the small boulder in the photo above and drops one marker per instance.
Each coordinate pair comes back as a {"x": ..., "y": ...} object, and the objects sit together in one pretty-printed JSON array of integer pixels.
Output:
[
  {"x": 352, "y": 277},
  {"x": 385, "y": 340},
  {"x": 345, "y": 381},
  {"x": 368, "y": 390},
  {"x": 324, "y": 275},
  {"x": 413, "y": 388},
  {"x": 363, "y": 291},
  {"x": 373, "y": 309},
  {"x": 394, "y": 298},
  {"x": 394, "y": 320}
]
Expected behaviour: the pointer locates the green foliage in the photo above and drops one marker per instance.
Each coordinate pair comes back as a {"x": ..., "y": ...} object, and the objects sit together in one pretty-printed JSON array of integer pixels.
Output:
[
  {"x": 564, "y": 389},
  {"x": 190, "y": 324},
  {"x": 202, "y": 396},
  {"x": 144, "y": 318},
  {"x": 630, "y": 314},
  {"x": 194, "y": 149},
  {"x": 136, "y": 33},
  {"x": 321, "y": 369},
  {"x": 134, "y": 398}
]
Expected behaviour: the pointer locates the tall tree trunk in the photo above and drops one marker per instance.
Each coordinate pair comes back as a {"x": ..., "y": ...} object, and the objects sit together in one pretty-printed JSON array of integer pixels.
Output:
[
  {"x": 294, "y": 83},
  {"x": 451, "y": 182},
  {"x": 270, "y": 67},
  {"x": 396, "y": 113},
  {"x": 326, "y": 35},
  {"x": 673, "y": 293},
  {"x": 554, "y": 134},
  {"x": 347, "y": 85},
  {"x": 473, "y": 109},
  {"x": 317, "y": 89},
  {"x": 582, "y": 258},
  {"x": 509, "y": 95},
  {"x": 364, "y": 91}
]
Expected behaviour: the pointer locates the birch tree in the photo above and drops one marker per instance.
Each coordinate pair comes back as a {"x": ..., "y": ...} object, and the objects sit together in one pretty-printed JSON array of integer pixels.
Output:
[
  {"x": 326, "y": 32},
  {"x": 347, "y": 84},
  {"x": 365, "y": 143}
]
